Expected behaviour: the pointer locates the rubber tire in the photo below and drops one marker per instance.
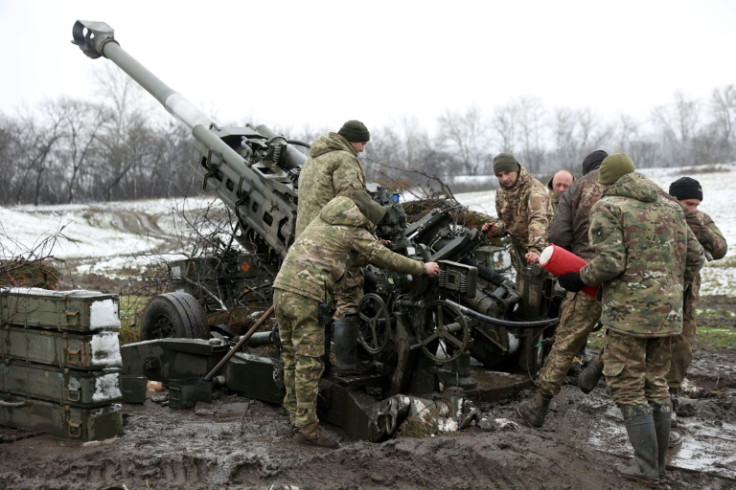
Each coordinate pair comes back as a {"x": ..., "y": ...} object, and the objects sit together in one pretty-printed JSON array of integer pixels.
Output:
[{"x": 174, "y": 315}]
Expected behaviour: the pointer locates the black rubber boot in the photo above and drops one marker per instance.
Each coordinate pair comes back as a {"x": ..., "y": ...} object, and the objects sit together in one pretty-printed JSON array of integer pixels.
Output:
[
  {"x": 661, "y": 414},
  {"x": 533, "y": 412},
  {"x": 345, "y": 344},
  {"x": 643, "y": 437},
  {"x": 590, "y": 376}
]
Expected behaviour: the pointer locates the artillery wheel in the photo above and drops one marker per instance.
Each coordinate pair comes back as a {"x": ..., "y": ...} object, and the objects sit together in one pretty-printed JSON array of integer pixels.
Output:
[
  {"x": 373, "y": 321},
  {"x": 441, "y": 321},
  {"x": 174, "y": 315}
]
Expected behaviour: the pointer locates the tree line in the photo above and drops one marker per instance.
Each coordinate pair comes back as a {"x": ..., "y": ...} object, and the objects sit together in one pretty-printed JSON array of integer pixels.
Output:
[{"x": 74, "y": 151}]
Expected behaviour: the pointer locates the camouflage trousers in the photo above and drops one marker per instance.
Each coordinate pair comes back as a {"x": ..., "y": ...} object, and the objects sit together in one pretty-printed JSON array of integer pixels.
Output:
[
  {"x": 579, "y": 314},
  {"x": 682, "y": 345},
  {"x": 348, "y": 292},
  {"x": 302, "y": 348},
  {"x": 636, "y": 368}
]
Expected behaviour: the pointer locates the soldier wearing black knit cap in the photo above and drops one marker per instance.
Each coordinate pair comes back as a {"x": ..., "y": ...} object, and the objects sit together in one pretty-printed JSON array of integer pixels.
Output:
[{"x": 689, "y": 193}]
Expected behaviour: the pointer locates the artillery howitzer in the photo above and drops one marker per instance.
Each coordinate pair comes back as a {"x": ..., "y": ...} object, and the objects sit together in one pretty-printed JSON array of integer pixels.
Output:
[{"x": 419, "y": 332}]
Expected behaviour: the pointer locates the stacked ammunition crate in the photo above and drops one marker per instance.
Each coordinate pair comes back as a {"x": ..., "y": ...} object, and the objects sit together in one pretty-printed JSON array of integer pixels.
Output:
[{"x": 60, "y": 363}]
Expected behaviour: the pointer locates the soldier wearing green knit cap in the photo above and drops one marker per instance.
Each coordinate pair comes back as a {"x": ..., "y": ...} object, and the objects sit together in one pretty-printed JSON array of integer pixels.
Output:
[
  {"x": 645, "y": 255},
  {"x": 333, "y": 169},
  {"x": 523, "y": 208}
]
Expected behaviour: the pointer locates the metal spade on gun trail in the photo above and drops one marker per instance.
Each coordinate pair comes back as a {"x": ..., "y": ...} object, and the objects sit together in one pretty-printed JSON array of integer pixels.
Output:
[{"x": 184, "y": 393}]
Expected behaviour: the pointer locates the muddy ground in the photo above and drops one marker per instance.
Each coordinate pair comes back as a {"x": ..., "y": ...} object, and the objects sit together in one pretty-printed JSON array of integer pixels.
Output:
[{"x": 239, "y": 443}]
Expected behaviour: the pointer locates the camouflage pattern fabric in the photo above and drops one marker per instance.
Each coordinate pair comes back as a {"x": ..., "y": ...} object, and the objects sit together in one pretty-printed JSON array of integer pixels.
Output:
[
  {"x": 569, "y": 227},
  {"x": 332, "y": 169},
  {"x": 339, "y": 236},
  {"x": 714, "y": 243},
  {"x": 348, "y": 292},
  {"x": 579, "y": 314},
  {"x": 524, "y": 212},
  {"x": 302, "y": 347},
  {"x": 645, "y": 253},
  {"x": 635, "y": 368}
]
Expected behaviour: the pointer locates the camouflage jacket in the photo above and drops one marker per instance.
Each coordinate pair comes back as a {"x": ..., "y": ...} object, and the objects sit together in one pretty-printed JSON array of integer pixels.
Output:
[
  {"x": 645, "y": 253},
  {"x": 319, "y": 256},
  {"x": 524, "y": 212},
  {"x": 708, "y": 234},
  {"x": 332, "y": 169},
  {"x": 569, "y": 227}
]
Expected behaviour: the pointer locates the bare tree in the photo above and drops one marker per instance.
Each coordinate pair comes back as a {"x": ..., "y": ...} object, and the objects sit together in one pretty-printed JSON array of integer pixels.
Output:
[{"x": 467, "y": 135}]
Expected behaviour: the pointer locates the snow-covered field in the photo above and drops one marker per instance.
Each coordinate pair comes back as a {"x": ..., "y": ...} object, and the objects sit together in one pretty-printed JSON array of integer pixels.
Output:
[{"x": 137, "y": 233}]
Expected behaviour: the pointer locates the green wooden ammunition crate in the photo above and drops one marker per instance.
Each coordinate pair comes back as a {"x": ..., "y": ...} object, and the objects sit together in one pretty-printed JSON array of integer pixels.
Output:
[
  {"x": 63, "y": 421},
  {"x": 64, "y": 386},
  {"x": 62, "y": 349},
  {"x": 77, "y": 311}
]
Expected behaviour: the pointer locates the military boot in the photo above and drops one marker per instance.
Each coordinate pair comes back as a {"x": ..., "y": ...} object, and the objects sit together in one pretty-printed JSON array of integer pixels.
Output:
[
  {"x": 533, "y": 412},
  {"x": 345, "y": 343},
  {"x": 313, "y": 435},
  {"x": 643, "y": 437},
  {"x": 661, "y": 415},
  {"x": 590, "y": 376}
]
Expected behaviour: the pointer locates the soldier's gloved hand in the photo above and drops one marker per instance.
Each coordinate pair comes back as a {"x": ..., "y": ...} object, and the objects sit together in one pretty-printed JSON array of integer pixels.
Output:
[{"x": 571, "y": 282}]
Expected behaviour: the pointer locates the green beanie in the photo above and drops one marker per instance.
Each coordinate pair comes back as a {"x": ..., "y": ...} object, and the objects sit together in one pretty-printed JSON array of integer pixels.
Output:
[
  {"x": 505, "y": 162},
  {"x": 370, "y": 208},
  {"x": 355, "y": 132},
  {"x": 614, "y": 167}
]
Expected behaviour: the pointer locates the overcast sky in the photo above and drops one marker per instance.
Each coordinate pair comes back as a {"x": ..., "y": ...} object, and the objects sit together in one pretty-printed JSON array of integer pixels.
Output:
[{"x": 301, "y": 63}]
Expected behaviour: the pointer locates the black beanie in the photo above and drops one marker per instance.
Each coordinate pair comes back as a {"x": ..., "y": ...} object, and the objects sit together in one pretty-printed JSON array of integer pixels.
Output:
[
  {"x": 686, "y": 188},
  {"x": 593, "y": 161},
  {"x": 355, "y": 132}
]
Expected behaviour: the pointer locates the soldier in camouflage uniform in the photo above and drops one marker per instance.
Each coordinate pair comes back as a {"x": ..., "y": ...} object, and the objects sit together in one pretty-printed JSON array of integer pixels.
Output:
[
  {"x": 522, "y": 206},
  {"x": 579, "y": 313},
  {"x": 333, "y": 169},
  {"x": 645, "y": 254},
  {"x": 558, "y": 184},
  {"x": 343, "y": 232},
  {"x": 689, "y": 193}
]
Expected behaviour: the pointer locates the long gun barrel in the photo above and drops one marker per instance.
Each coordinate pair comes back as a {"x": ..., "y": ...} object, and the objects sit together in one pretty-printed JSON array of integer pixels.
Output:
[{"x": 252, "y": 170}]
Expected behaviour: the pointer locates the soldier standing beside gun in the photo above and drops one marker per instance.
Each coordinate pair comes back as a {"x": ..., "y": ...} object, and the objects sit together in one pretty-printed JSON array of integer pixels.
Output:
[
  {"x": 689, "y": 193},
  {"x": 645, "y": 254},
  {"x": 522, "y": 206},
  {"x": 316, "y": 262},
  {"x": 579, "y": 313},
  {"x": 333, "y": 169}
]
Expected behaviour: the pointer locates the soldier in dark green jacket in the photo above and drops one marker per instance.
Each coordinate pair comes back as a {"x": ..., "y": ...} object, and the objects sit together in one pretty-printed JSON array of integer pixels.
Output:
[
  {"x": 645, "y": 255},
  {"x": 342, "y": 233}
]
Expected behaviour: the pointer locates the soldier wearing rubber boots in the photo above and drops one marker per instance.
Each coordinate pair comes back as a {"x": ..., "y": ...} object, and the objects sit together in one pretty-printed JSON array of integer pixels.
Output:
[
  {"x": 333, "y": 169},
  {"x": 645, "y": 255}
]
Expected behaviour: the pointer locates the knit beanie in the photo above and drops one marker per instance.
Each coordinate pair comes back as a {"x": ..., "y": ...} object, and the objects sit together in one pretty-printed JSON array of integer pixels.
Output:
[
  {"x": 686, "y": 188},
  {"x": 355, "y": 132},
  {"x": 614, "y": 167},
  {"x": 505, "y": 162},
  {"x": 593, "y": 161},
  {"x": 370, "y": 208}
]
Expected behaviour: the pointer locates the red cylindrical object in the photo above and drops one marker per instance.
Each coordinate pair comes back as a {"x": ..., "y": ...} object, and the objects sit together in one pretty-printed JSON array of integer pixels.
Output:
[{"x": 558, "y": 261}]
